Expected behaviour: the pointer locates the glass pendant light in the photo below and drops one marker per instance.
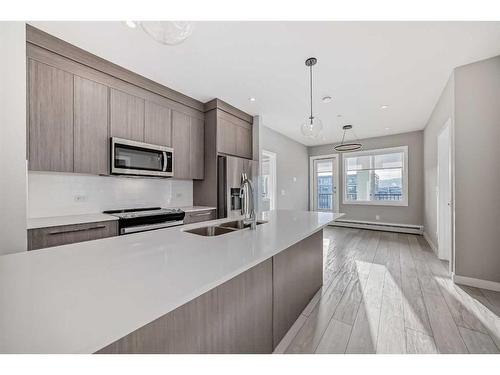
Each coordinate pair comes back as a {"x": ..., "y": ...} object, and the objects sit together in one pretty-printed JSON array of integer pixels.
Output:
[
  {"x": 348, "y": 146},
  {"x": 313, "y": 126},
  {"x": 168, "y": 32}
]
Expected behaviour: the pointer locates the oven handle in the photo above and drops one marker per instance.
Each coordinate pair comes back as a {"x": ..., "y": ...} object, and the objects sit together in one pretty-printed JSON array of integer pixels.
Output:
[{"x": 142, "y": 228}]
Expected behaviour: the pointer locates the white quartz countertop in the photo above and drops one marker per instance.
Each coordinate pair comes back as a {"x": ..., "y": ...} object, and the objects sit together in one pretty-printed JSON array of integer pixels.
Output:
[
  {"x": 81, "y": 297},
  {"x": 55, "y": 221}
]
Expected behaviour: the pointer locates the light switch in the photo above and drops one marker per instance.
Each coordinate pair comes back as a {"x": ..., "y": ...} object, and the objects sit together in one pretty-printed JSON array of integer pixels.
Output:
[
  {"x": 294, "y": 179},
  {"x": 282, "y": 191}
]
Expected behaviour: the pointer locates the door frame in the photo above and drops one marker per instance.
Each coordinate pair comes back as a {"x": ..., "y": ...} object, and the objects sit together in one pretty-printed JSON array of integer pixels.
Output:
[
  {"x": 273, "y": 156},
  {"x": 335, "y": 179},
  {"x": 451, "y": 172}
]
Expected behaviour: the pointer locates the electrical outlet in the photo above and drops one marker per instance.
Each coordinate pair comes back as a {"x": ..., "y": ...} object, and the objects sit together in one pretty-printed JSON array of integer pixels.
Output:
[
  {"x": 377, "y": 217},
  {"x": 80, "y": 198},
  {"x": 282, "y": 191}
]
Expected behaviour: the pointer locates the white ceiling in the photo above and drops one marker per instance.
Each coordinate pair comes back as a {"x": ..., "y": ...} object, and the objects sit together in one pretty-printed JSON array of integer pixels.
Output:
[{"x": 362, "y": 65}]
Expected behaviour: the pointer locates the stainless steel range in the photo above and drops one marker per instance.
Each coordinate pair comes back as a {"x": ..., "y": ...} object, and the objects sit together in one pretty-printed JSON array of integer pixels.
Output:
[{"x": 143, "y": 219}]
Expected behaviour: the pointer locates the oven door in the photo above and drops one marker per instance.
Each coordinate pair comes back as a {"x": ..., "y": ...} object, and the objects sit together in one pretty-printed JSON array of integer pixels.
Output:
[{"x": 141, "y": 159}]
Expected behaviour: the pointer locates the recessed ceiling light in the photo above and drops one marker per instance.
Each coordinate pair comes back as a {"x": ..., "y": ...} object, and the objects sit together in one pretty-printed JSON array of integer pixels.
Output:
[
  {"x": 387, "y": 128},
  {"x": 252, "y": 99},
  {"x": 131, "y": 24},
  {"x": 326, "y": 99},
  {"x": 384, "y": 106}
]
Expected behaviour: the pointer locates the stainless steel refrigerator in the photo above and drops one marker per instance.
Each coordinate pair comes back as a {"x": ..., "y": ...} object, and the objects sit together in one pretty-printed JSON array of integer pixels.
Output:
[{"x": 229, "y": 170}]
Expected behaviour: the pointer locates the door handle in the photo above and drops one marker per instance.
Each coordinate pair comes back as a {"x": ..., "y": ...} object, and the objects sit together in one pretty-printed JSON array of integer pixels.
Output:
[{"x": 164, "y": 169}]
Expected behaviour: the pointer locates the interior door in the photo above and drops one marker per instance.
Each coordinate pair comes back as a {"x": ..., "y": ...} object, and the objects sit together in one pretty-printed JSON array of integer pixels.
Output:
[
  {"x": 444, "y": 194},
  {"x": 323, "y": 184}
]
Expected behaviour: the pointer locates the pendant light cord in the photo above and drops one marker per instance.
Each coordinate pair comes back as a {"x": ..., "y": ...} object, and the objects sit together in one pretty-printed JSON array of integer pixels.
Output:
[{"x": 311, "y": 85}]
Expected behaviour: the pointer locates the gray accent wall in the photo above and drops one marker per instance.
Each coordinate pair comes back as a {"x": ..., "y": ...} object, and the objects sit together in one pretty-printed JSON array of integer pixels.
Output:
[
  {"x": 440, "y": 115},
  {"x": 477, "y": 170},
  {"x": 291, "y": 168},
  {"x": 411, "y": 214}
]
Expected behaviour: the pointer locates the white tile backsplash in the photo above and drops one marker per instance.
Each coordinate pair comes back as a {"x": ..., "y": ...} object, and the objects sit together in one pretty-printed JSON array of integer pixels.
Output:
[{"x": 57, "y": 194}]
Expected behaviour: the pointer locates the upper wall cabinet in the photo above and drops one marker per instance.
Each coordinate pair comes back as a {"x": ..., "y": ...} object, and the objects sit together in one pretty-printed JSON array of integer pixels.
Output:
[
  {"x": 158, "y": 124},
  {"x": 188, "y": 142},
  {"x": 50, "y": 123},
  {"x": 91, "y": 140},
  {"x": 75, "y": 107},
  {"x": 127, "y": 116},
  {"x": 197, "y": 148},
  {"x": 234, "y": 135}
]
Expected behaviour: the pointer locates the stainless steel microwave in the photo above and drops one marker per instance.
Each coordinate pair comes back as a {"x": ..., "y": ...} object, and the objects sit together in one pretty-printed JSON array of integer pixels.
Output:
[{"x": 141, "y": 159}]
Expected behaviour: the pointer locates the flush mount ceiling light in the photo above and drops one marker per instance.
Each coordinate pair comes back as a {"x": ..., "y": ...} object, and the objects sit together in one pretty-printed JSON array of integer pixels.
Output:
[
  {"x": 384, "y": 106},
  {"x": 312, "y": 127},
  {"x": 326, "y": 99},
  {"x": 168, "y": 32},
  {"x": 252, "y": 99},
  {"x": 348, "y": 146}
]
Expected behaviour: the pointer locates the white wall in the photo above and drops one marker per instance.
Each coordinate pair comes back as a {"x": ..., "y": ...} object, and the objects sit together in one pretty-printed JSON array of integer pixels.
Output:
[
  {"x": 291, "y": 168},
  {"x": 472, "y": 100},
  {"x": 440, "y": 115},
  {"x": 12, "y": 137},
  {"x": 55, "y": 194},
  {"x": 477, "y": 170},
  {"x": 411, "y": 214}
]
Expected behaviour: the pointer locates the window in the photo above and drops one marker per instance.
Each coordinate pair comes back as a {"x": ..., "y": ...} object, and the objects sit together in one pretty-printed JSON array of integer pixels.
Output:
[{"x": 378, "y": 177}]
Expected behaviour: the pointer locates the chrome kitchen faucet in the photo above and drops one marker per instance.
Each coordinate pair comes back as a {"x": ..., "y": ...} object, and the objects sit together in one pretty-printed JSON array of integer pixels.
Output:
[{"x": 247, "y": 201}]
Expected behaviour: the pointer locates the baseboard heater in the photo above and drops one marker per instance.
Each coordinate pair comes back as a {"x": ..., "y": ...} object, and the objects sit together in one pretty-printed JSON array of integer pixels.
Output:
[{"x": 387, "y": 227}]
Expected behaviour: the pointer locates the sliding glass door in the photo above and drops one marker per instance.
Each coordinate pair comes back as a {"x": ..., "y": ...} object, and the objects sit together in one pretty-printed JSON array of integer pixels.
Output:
[{"x": 324, "y": 189}]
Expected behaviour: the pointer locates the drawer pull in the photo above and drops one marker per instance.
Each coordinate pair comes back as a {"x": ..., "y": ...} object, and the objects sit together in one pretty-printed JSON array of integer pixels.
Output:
[
  {"x": 78, "y": 230},
  {"x": 203, "y": 214}
]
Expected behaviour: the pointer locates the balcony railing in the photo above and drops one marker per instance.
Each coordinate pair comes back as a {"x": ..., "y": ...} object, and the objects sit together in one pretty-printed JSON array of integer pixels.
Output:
[
  {"x": 378, "y": 196},
  {"x": 325, "y": 201}
]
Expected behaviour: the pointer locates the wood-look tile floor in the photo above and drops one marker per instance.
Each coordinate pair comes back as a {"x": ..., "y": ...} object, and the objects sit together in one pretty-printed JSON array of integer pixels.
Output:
[{"x": 388, "y": 293}]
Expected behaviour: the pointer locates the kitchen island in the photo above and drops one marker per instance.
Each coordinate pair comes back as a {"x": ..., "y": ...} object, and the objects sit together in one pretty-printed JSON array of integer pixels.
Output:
[{"x": 164, "y": 291}]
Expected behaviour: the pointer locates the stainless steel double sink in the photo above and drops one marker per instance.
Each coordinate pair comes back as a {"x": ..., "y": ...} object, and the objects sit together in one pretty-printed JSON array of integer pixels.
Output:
[{"x": 223, "y": 228}]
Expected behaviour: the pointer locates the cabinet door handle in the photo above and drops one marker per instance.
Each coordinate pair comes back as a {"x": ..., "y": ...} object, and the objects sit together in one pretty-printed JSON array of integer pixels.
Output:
[{"x": 77, "y": 230}]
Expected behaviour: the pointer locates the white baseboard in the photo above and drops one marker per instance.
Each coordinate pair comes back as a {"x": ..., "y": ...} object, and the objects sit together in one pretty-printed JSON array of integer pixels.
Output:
[
  {"x": 431, "y": 244},
  {"x": 375, "y": 225},
  {"x": 478, "y": 283}
]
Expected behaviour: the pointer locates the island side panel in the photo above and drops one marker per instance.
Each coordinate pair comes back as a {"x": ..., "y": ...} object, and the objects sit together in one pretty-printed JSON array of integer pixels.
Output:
[
  {"x": 297, "y": 276},
  {"x": 235, "y": 317}
]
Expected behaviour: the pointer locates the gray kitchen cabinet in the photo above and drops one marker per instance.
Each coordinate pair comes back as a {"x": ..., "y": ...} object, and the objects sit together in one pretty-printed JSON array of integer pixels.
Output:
[
  {"x": 91, "y": 138},
  {"x": 50, "y": 123},
  {"x": 226, "y": 136},
  {"x": 126, "y": 116},
  {"x": 244, "y": 141},
  {"x": 198, "y": 216},
  {"x": 66, "y": 234},
  {"x": 157, "y": 124},
  {"x": 188, "y": 144},
  {"x": 234, "y": 135},
  {"x": 297, "y": 276},
  {"x": 197, "y": 148},
  {"x": 181, "y": 144}
]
